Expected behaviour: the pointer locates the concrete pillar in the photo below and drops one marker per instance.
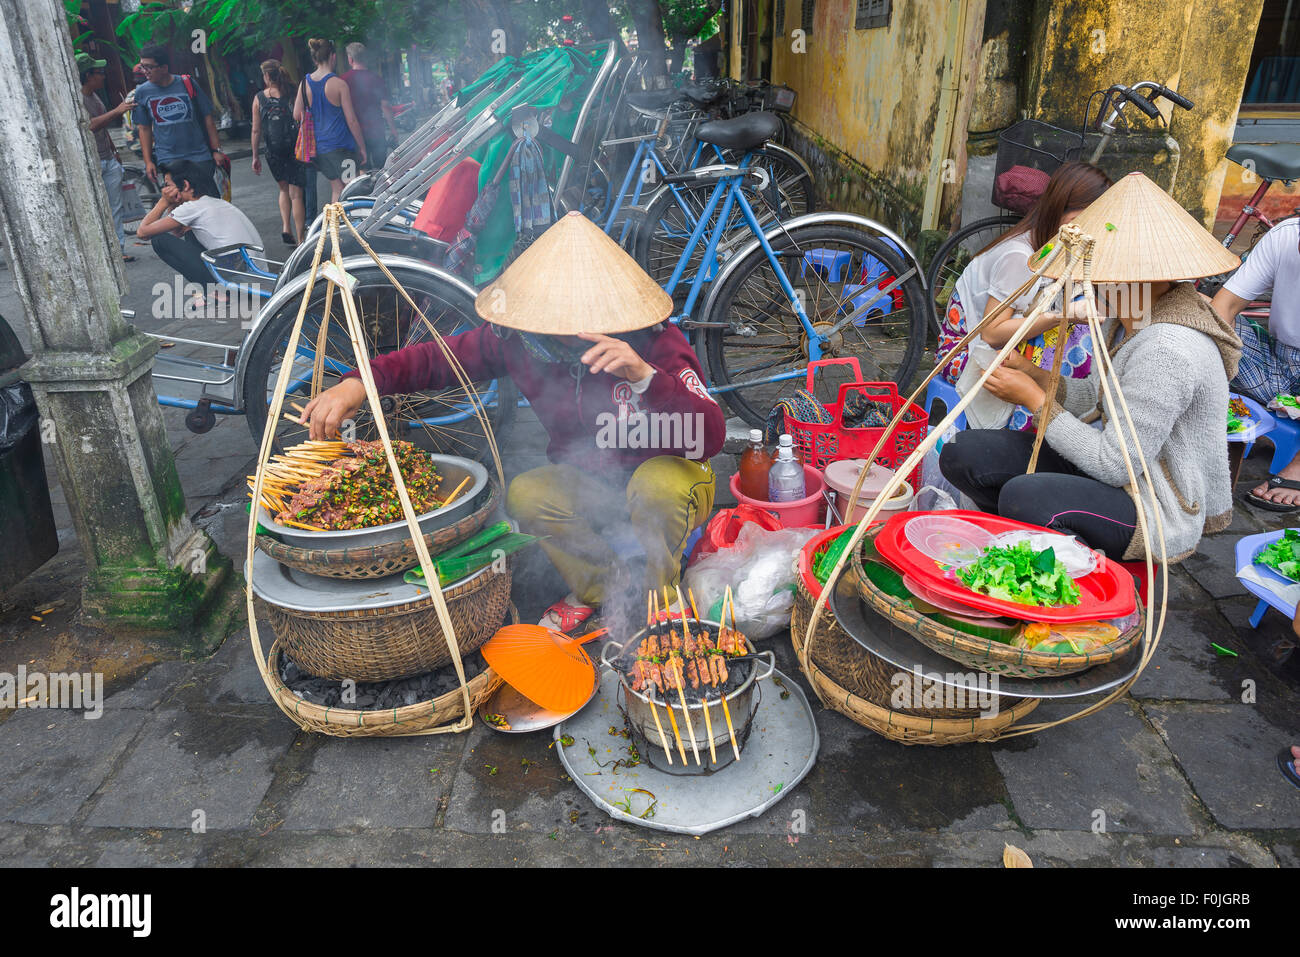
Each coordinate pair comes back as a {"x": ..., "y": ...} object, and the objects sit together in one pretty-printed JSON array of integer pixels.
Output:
[{"x": 147, "y": 566}]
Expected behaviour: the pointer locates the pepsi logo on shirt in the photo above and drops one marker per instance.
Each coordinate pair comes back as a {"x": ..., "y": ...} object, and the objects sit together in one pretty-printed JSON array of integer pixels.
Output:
[{"x": 170, "y": 109}]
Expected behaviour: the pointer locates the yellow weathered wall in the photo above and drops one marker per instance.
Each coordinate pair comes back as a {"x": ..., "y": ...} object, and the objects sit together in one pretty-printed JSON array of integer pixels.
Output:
[
  {"x": 1201, "y": 48},
  {"x": 871, "y": 94}
]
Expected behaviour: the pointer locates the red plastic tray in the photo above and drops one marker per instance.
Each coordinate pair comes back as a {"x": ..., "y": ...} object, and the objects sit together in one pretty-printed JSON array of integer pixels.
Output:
[{"x": 1106, "y": 593}]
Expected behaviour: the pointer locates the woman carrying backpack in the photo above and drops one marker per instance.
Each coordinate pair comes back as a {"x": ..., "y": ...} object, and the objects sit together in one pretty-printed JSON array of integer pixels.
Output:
[
  {"x": 273, "y": 114},
  {"x": 339, "y": 150}
]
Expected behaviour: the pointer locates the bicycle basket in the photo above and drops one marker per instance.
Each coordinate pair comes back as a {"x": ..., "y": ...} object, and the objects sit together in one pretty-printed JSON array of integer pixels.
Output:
[
  {"x": 778, "y": 99},
  {"x": 1028, "y": 153}
]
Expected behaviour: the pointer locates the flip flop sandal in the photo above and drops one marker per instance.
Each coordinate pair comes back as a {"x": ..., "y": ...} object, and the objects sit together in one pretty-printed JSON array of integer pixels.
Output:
[
  {"x": 1275, "y": 481},
  {"x": 1286, "y": 764},
  {"x": 288, "y": 239},
  {"x": 565, "y": 617},
  {"x": 127, "y": 258}
]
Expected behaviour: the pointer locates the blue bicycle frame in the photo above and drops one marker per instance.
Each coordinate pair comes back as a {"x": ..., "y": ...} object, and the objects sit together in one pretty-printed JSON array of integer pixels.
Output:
[{"x": 729, "y": 184}]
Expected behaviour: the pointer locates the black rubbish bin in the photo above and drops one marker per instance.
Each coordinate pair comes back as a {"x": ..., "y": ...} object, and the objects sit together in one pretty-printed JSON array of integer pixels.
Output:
[{"x": 26, "y": 516}]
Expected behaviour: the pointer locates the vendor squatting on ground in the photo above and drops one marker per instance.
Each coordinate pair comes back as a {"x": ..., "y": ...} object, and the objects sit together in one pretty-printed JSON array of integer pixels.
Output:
[{"x": 606, "y": 496}]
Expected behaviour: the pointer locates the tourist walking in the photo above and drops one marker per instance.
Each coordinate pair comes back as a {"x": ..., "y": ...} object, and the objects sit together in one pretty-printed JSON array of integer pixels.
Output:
[
  {"x": 370, "y": 101},
  {"x": 339, "y": 143},
  {"x": 273, "y": 119},
  {"x": 173, "y": 118}
]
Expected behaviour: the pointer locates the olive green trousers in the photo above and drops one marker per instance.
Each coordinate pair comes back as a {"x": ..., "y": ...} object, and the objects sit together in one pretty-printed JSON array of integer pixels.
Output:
[{"x": 589, "y": 523}]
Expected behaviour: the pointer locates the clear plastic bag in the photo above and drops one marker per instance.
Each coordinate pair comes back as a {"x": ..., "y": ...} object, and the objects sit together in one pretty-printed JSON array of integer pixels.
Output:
[{"x": 760, "y": 568}]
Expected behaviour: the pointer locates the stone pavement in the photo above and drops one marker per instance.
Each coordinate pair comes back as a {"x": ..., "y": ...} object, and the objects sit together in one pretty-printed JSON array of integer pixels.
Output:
[{"x": 1182, "y": 768}]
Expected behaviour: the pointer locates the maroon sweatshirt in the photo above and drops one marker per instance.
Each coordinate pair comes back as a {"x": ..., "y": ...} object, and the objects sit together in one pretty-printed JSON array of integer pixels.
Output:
[{"x": 592, "y": 420}]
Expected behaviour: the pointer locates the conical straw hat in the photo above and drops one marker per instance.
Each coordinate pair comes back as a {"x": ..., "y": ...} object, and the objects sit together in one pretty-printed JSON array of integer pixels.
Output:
[
  {"x": 1143, "y": 235},
  {"x": 574, "y": 279}
]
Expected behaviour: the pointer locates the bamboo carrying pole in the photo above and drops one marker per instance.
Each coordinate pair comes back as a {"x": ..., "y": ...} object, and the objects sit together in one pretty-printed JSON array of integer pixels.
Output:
[
  {"x": 1078, "y": 247},
  {"x": 333, "y": 214}
]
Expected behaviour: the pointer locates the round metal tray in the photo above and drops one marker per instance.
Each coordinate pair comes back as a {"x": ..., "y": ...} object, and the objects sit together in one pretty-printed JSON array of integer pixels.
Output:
[
  {"x": 289, "y": 588},
  {"x": 453, "y": 469},
  {"x": 872, "y": 632}
]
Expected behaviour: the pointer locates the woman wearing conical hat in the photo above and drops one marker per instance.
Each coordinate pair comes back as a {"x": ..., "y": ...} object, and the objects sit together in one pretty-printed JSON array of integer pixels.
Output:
[
  {"x": 1173, "y": 356},
  {"x": 580, "y": 328}
]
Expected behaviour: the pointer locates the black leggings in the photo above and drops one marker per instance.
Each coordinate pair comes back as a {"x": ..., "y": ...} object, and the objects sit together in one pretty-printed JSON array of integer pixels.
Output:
[{"x": 989, "y": 466}]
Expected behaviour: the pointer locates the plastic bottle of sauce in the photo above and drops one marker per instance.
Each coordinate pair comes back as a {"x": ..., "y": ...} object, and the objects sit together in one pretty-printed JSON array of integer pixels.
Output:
[{"x": 755, "y": 462}]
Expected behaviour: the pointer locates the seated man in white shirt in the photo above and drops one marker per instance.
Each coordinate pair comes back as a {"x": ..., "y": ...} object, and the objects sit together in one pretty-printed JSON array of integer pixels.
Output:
[
  {"x": 1270, "y": 358},
  {"x": 192, "y": 217}
]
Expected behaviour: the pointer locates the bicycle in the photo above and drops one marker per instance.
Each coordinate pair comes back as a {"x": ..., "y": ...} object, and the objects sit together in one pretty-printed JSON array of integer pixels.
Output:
[
  {"x": 819, "y": 285},
  {"x": 1040, "y": 146}
]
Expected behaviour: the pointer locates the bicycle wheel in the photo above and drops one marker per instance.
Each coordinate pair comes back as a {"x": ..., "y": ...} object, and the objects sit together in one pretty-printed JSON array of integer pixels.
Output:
[
  {"x": 955, "y": 254},
  {"x": 438, "y": 420},
  {"x": 792, "y": 176},
  {"x": 835, "y": 271}
]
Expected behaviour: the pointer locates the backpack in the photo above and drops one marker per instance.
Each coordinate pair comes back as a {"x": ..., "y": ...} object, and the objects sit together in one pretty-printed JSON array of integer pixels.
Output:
[{"x": 278, "y": 122}]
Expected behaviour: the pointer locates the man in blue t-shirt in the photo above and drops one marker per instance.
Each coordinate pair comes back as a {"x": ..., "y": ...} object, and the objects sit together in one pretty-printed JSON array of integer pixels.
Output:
[{"x": 173, "y": 125}]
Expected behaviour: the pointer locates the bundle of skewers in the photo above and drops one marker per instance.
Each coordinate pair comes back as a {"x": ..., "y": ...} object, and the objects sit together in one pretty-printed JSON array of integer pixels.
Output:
[
  {"x": 287, "y": 473},
  {"x": 666, "y": 662},
  {"x": 334, "y": 485}
]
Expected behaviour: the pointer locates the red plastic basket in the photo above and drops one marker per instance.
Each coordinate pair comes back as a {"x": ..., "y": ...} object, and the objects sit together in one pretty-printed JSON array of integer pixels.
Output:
[{"x": 822, "y": 443}]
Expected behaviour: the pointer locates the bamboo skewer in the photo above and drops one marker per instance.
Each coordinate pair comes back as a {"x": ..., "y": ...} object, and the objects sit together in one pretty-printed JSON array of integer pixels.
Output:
[
  {"x": 679, "y": 672},
  {"x": 448, "y": 500},
  {"x": 663, "y": 740},
  {"x": 672, "y": 718},
  {"x": 727, "y": 599},
  {"x": 708, "y": 719}
]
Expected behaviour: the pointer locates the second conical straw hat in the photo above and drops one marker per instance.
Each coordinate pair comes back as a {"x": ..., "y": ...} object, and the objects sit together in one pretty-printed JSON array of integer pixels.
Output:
[
  {"x": 574, "y": 279},
  {"x": 1143, "y": 235}
]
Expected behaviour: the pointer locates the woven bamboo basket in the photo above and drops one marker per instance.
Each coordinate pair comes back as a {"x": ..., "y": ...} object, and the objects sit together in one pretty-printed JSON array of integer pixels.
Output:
[
  {"x": 842, "y": 659},
  {"x": 380, "y": 644},
  {"x": 392, "y": 722},
  {"x": 985, "y": 654},
  {"x": 379, "y": 561},
  {"x": 900, "y": 727}
]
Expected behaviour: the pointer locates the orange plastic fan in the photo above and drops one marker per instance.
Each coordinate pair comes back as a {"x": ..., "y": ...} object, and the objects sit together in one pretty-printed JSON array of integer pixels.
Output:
[{"x": 547, "y": 667}]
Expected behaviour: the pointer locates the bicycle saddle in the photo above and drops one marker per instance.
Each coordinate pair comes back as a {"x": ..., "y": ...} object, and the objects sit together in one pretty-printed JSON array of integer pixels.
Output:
[
  {"x": 742, "y": 133},
  {"x": 700, "y": 95},
  {"x": 653, "y": 101},
  {"x": 1269, "y": 160}
]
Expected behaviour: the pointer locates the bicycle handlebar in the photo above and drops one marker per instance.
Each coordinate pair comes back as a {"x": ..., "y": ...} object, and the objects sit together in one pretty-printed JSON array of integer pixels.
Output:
[{"x": 1141, "y": 102}]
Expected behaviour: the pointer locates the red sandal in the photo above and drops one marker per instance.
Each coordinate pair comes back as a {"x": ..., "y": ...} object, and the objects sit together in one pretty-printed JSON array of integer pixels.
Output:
[{"x": 566, "y": 614}]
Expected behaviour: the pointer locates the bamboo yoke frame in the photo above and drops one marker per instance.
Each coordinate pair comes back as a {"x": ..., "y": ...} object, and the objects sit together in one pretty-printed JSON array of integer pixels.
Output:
[
  {"x": 1077, "y": 248},
  {"x": 334, "y": 214}
]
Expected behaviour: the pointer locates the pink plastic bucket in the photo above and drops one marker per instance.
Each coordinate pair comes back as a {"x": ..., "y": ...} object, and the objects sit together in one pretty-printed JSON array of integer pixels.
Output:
[{"x": 808, "y": 512}]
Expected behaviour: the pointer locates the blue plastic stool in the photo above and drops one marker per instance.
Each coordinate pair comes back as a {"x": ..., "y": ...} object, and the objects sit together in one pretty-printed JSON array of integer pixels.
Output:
[
  {"x": 1285, "y": 436},
  {"x": 826, "y": 262},
  {"x": 1244, "y": 553},
  {"x": 940, "y": 389}
]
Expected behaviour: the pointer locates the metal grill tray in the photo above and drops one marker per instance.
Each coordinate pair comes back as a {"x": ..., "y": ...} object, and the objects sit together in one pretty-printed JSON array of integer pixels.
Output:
[
  {"x": 289, "y": 588},
  {"x": 903, "y": 651},
  {"x": 781, "y": 750},
  {"x": 453, "y": 469}
]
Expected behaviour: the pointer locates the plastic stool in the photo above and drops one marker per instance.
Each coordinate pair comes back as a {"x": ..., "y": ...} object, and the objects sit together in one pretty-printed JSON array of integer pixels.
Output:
[
  {"x": 826, "y": 262},
  {"x": 940, "y": 389},
  {"x": 1286, "y": 442}
]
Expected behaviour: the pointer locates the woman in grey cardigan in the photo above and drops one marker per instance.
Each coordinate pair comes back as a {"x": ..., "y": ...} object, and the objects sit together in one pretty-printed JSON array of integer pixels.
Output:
[{"x": 1173, "y": 361}]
